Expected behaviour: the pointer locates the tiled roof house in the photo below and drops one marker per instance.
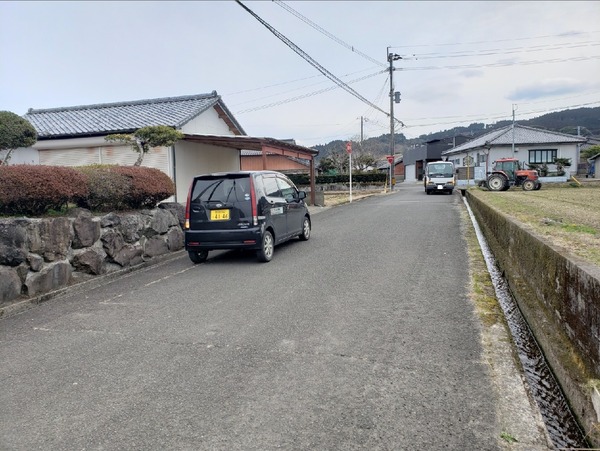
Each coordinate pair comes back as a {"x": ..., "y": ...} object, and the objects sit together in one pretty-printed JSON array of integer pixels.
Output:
[
  {"x": 531, "y": 146},
  {"x": 75, "y": 136}
]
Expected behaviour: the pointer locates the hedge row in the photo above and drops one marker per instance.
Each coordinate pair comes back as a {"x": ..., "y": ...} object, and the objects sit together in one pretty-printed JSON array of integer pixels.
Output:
[
  {"x": 374, "y": 177},
  {"x": 38, "y": 189}
]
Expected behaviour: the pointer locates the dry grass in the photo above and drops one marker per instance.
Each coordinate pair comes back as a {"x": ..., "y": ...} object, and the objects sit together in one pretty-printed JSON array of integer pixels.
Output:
[
  {"x": 341, "y": 197},
  {"x": 566, "y": 214}
]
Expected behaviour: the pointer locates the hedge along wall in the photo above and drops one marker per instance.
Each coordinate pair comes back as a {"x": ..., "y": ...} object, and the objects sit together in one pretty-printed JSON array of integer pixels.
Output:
[{"x": 559, "y": 297}]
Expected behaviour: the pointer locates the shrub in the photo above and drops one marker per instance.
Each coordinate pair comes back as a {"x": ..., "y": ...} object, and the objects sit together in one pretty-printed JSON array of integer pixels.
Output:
[
  {"x": 107, "y": 190},
  {"x": 148, "y": 187},
  {"x": 37, "y": 189}
]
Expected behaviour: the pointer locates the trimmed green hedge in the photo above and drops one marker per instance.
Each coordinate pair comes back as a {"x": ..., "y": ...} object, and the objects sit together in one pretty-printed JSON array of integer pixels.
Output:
[
  {"x": 371, "y": 177},
  {"x": 38, "y": 190}
]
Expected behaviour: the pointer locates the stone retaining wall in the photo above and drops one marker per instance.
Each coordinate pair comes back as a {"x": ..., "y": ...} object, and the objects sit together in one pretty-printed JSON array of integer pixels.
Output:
[
  {"x": 39, "y": 255},
  {"x": 559, "y": 296}
]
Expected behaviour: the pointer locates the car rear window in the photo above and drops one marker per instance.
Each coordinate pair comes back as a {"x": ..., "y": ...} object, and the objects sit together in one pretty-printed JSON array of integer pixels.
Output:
[{"x": 221, "y": 189}]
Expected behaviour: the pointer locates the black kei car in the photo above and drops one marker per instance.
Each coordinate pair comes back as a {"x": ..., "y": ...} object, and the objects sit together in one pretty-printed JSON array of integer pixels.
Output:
[{"x": 243, "y": 210}]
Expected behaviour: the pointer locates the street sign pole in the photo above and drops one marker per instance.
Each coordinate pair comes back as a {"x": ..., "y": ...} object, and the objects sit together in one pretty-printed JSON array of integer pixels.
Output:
[
  {"x": 349, "y": 150},
  {"x": 390, "y": 159}
]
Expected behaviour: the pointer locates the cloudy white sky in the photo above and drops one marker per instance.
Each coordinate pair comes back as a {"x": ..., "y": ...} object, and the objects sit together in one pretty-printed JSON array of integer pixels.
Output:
[{"x": 461, "y": 62}]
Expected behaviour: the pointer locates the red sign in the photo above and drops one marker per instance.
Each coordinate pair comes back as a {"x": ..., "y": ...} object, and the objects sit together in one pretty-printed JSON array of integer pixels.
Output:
[
  {"x": 349, "y": 147},
  {"x": 390, "y": 159}
]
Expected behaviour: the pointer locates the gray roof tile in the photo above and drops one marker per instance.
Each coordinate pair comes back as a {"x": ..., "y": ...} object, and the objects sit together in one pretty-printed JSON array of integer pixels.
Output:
[{"x": 121, "y": 117}]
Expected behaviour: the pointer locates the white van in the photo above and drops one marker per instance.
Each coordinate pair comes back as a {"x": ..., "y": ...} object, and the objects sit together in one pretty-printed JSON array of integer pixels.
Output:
[{"x": 439, "y": 177}]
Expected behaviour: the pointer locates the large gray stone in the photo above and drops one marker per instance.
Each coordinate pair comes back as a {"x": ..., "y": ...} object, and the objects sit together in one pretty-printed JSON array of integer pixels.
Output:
[
  {"x": 50, "y": 238},
  {"x": 175, "y": 239},
  {"x": 36, "y": 262},
  {"x": 90, "y": 261},
  {"x": 159, "y": 222},
  {"x": 130, "y": 227},
  {"x": 155, "y": 245},
  {"x": 86, "y": 230},
  {"x": 112, "y": 242},
  {"x": 110, "y": 220},
  {"x": 176, "y": 210},
  {"x": 52, "y": 277},
  {"x": 129, "y": 255},
  {"x": 10, "y": 284},
  {"x": 13, "y": 236}
]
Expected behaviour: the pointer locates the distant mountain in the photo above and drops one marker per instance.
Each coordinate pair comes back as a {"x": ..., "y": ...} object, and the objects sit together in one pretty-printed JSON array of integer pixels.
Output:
[{"x": 566, "y": 121}]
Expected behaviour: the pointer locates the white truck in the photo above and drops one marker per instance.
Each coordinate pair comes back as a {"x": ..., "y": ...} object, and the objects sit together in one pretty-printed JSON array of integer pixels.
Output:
[{"x": 439, "y": 177}]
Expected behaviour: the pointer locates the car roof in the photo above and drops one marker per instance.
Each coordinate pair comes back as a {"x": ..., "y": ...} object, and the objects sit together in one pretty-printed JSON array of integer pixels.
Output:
[{"x": 234, "y": 173}]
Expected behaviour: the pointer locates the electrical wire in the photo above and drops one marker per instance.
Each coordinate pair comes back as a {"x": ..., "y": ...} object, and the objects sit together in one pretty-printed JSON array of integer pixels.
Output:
[
  {"x": 310, "y": 94},
  {"x": 326, "y": 33},
  {"x": 312, "y": 62}
]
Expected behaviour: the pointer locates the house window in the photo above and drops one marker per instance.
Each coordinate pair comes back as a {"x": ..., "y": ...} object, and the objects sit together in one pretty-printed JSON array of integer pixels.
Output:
[
  {"x": 481, "y": 158},
  {"x": 542, "y": 156}
]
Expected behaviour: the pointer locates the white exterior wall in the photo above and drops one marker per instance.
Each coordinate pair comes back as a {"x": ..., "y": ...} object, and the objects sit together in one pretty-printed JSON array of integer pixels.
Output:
[
  {"x": 409, "y": 173},
  {"x": 86, "y": 151},
  {"x": 207, "y": 123},
  {"x": 22, "y": 155},
  {"x": 193, "y": 159}
]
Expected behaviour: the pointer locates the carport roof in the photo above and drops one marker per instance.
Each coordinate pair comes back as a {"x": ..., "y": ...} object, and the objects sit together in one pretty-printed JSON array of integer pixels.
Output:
[{"x": 254, "y": 143}]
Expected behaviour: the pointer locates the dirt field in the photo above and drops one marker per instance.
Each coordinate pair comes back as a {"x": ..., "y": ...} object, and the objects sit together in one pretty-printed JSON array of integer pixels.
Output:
[{"x": 567, "y": 214}]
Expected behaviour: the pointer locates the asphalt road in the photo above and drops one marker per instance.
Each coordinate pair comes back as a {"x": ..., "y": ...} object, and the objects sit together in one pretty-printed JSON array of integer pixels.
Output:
[{"x": 361, "y": 338}]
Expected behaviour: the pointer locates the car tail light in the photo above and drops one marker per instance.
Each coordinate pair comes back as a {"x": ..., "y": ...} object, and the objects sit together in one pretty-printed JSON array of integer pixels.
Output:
[
  {"x": 253, "y": 202},
  {"x": 187, "y": 208}
]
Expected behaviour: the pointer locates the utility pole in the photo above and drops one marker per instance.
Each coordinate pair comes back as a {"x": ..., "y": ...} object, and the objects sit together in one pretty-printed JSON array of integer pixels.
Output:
[{"x": 391, "y": 57}]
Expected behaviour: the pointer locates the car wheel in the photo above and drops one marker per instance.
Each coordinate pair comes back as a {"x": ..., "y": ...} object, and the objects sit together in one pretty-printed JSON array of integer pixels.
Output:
[
  {"x": 198, "y": 257},
  {"x": 267, "y": 247},
  {"x": 305, "y": 235}
]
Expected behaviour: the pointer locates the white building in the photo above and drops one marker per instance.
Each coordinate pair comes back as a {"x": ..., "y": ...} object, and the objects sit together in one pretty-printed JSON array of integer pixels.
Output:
[{"x": 529, "y": 145}]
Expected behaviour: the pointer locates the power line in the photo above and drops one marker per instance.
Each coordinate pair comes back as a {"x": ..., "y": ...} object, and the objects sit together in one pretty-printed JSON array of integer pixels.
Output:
[
  {"x": 326, "y": 33},
  {"x": 311, "y": 61},
  {"x": 310, "y": 94},
  {"x": 492, "y": 52},
  {"x": 574, "y": 33},
  {"x": 505, "y": 63}
]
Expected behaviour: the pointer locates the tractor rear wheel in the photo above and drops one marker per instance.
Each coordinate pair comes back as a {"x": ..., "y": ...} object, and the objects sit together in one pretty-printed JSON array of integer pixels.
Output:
[
  {"x": 528, "y": 185},
  {"x": 538, "y": 185},
  {"x": 496, "y": 182}
]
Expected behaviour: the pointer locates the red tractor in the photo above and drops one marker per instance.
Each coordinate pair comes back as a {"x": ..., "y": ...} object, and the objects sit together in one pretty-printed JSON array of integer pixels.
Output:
[{"x": 507, "y": 172}]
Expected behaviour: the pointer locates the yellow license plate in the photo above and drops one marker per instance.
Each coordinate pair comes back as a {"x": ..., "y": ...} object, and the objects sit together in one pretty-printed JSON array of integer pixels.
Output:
[{"x": 219, "y": 215}]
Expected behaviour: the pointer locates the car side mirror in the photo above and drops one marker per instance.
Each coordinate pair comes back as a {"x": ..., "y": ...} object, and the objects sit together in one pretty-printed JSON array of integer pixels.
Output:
[{"x": 301, "y": 194}]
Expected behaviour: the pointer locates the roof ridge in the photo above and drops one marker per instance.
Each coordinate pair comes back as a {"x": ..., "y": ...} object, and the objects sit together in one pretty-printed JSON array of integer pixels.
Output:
[{"x": 128, "y": 103}]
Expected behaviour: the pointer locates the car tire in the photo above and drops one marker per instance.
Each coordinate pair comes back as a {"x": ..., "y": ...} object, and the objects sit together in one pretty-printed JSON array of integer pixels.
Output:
[
  {"x": 198, "y": 257},
  {"x": 305, "y": 235},
  {"x": 267, "y": 248}
]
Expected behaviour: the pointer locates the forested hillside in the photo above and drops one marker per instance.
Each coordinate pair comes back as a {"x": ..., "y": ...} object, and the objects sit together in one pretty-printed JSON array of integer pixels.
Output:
[{"x": 566, "y": 121}]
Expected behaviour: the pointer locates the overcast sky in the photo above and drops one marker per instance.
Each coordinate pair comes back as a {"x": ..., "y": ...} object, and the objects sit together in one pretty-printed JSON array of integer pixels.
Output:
[{"x": 461, "y": 62}]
